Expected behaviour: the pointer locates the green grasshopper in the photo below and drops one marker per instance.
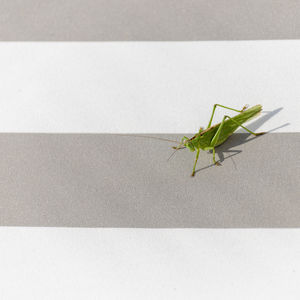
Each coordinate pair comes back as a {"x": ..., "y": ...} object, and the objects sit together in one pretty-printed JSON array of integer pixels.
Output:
[{"x": 216, "y": 135}]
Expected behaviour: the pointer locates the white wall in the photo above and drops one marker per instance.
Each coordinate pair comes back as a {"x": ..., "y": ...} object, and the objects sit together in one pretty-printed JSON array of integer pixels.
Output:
[
  {"x": 144, "y": 87},
  {"x": 73, "y": 263}
]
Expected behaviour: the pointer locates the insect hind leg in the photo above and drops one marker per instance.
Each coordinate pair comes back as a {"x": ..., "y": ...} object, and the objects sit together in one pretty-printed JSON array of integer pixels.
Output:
[
  {"x": 238, "y": 123},
  {"x": 214, "y": 108}
]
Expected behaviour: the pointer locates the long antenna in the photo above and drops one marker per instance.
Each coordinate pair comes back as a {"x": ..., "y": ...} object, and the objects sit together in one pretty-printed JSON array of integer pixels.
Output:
[
  {"x": 149, "y": 137},
  {"x": 156, "y": 138},
  {"x": 176, "y": 148},
  {"x": 172, "y": 154}
]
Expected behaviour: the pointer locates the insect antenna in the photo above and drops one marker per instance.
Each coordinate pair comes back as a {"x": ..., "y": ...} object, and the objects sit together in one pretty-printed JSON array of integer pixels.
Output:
[
  {"x": 172, "y": 154},
  {"x": 176, "y": 149},
  {"x": 157, "y": 138},
  {"x": 151, "y": 137}
]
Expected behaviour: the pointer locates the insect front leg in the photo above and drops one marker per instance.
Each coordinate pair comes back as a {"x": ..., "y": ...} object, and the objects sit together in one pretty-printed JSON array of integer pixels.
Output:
[
  {"x": 181, "y": 143},
  {"x": 194, "y": 168},
  {"x": 213, "y": 112}
]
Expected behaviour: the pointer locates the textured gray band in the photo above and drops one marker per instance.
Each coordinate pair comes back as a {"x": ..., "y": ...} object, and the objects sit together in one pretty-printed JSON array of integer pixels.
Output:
[
  {"x": 103, "y": 180},
  {"x": 148, "y": 20}
]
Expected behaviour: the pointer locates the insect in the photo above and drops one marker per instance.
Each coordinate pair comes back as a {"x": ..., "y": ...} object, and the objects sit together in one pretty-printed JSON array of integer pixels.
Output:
[{"x": 213, "y": 136}]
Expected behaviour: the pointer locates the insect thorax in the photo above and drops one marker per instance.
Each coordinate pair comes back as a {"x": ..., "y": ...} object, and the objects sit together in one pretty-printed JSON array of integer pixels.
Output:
[
  {"x": 196, "y": 143},
  {"x": 190, "y": 146}
]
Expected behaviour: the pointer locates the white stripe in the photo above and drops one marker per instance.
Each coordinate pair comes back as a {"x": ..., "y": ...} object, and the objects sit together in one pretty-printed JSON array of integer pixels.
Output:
[
  {"x": 72, "y": 263},
  {"x": 144, "y": 87}
]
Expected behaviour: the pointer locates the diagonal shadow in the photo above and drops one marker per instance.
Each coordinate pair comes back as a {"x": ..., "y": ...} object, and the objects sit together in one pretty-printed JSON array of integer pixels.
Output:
[
  {"x": 221, "y": 158},
  {"x": 233, "y": 141},
  {"x": 263, "y": 119},
  {"x": 243, "y": 137}
]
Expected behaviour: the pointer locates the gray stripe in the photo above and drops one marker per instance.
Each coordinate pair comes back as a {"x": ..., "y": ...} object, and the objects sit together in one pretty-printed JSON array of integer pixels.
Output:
[
  {"x": 99, "y": 180},
  {"x": 136, "y": 20}
]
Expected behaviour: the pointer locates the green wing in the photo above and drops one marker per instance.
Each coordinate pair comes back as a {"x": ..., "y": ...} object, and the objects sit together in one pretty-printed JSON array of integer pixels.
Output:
[{"x": 230, "y": 127}]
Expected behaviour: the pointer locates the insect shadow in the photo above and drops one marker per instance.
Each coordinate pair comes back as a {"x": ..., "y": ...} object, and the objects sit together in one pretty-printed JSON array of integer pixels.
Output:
[{"x": 242, "y": 138}]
